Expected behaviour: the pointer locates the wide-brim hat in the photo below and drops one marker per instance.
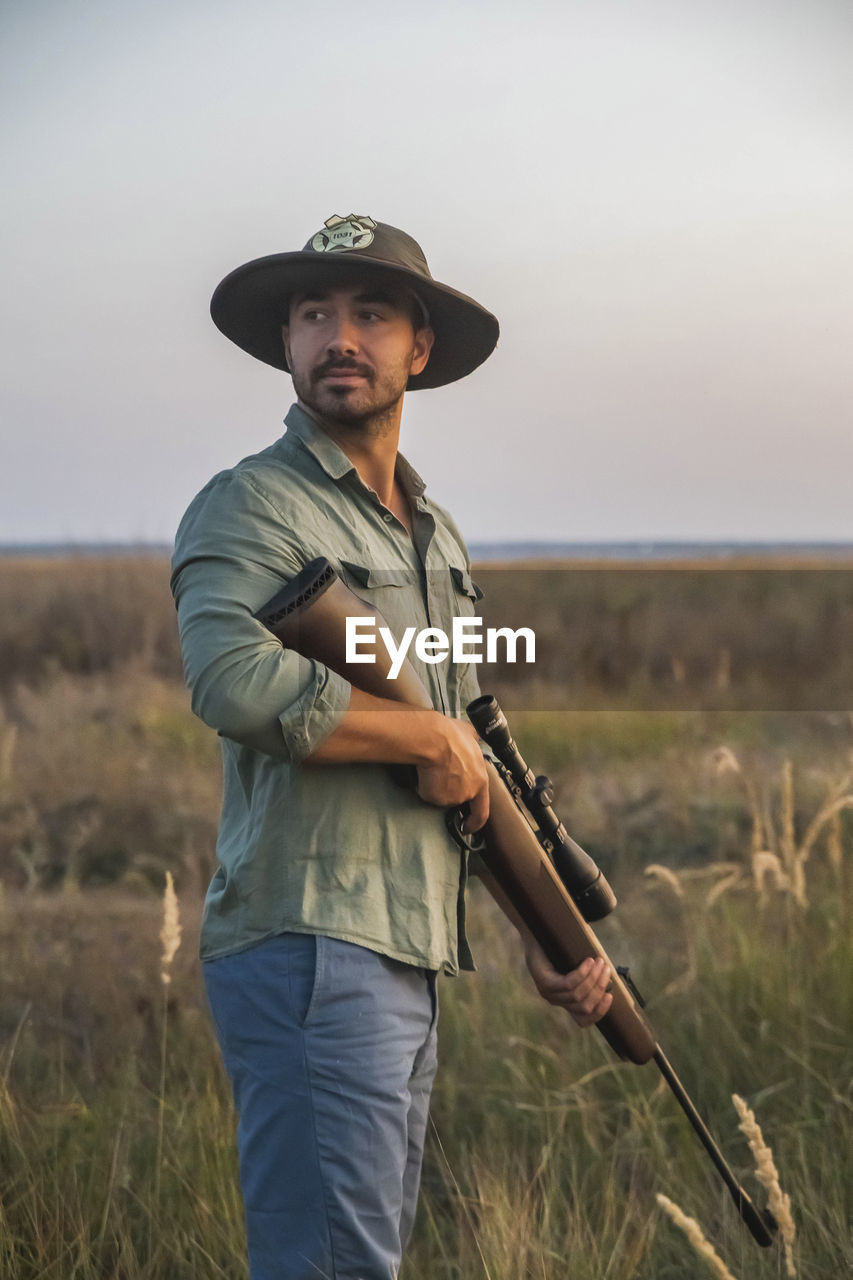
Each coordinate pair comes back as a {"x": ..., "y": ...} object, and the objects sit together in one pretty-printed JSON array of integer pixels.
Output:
[{"x": 251, "y": 304}]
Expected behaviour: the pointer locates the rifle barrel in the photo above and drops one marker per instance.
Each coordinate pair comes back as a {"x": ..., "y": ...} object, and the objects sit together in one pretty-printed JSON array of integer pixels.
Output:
[{"x": 761, "y": 1222}]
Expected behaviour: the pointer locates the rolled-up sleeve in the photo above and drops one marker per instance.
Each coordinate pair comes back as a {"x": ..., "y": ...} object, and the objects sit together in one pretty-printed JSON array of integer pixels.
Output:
[{"x": 233, "y": 551}]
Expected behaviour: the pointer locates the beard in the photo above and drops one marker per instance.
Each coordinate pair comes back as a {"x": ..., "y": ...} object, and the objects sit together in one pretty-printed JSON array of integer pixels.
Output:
[{"x": 367, "y": 407}]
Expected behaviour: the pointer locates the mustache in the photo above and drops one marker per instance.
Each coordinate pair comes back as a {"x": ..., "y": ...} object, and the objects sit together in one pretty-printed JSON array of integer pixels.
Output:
[{"x": 339, "y": 365}]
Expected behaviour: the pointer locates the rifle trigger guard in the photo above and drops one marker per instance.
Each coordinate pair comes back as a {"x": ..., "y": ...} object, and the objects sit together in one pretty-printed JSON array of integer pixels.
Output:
[{"x": 454, "y": 819}]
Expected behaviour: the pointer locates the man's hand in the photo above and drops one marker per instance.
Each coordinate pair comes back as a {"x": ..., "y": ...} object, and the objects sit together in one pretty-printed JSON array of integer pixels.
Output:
[
  {"x": 456, "y": 772},
  {"x": 451, "y": 768},
  {"x": 583, "y": 992}
]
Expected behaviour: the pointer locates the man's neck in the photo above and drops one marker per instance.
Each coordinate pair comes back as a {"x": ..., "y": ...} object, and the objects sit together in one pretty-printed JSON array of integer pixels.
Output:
[{"x": 370, "y": 447}]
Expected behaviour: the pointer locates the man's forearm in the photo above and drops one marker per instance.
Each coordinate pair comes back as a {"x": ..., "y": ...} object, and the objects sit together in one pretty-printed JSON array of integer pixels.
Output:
[{"x": 377, "y": 730}]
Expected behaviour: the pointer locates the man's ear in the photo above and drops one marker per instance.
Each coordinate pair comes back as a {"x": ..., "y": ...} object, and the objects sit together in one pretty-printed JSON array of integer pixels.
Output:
[{"x": 424, "y": 338}]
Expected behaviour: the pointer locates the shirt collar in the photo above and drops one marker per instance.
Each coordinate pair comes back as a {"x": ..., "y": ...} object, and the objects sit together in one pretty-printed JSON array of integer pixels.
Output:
[
  {"x": 306, "y": 427},
  {"x": 321, "y": 446},
  {"x": 413, "y": 486}
]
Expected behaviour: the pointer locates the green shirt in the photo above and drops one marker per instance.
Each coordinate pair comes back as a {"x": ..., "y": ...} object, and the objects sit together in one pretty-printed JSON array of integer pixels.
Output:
[{"x": 335, "y": 849}]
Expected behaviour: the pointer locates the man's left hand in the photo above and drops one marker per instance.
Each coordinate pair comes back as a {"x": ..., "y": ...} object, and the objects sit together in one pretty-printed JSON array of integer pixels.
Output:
[{"x": 583, "y": 991}]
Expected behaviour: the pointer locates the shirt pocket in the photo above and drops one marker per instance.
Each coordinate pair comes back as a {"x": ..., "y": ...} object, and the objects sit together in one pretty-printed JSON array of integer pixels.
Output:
[
  {"x": 392, "y": 592},
  {"x": 366, "y": 577},
  {"x": 465, "y": 584}
]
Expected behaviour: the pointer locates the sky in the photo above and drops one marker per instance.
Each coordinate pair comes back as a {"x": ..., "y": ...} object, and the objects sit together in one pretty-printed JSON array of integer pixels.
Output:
[{"x": 654, "y": 197}]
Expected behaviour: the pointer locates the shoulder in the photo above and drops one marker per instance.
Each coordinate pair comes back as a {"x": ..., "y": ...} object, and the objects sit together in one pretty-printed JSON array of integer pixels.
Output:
[
  {"x": 278, "y": 474},
  {"x": 258, "y": 486},
  {"x": 250, "y": 512}
]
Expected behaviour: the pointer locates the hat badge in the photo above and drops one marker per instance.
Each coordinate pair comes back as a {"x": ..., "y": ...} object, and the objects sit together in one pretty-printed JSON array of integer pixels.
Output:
[{"x": 355, "y": 231}]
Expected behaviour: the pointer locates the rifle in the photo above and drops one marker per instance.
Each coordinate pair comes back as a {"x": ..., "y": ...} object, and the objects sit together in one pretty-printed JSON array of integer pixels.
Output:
[{"x": 538, "y": 870}]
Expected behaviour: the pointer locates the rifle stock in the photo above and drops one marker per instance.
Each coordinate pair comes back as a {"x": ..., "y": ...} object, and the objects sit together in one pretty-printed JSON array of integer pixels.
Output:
[{"x": 309, "y": 616}]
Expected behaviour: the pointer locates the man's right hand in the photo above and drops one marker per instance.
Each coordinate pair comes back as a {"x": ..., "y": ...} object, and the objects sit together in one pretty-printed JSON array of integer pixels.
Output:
[
  {"x": 456, "y": 772},
  {"x": 451, "y": 768}
]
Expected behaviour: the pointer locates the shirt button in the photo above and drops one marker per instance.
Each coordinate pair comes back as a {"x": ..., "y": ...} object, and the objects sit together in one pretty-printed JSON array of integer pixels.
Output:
[{"x": 387, "y": 517}]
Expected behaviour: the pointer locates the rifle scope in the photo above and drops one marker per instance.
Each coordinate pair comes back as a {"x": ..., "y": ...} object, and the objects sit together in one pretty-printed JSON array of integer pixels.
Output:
[{"x": 583, "y": 879}]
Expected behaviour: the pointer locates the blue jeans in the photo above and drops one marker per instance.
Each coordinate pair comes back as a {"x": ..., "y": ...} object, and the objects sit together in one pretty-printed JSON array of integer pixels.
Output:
[{"x": 331, "y": 1051}]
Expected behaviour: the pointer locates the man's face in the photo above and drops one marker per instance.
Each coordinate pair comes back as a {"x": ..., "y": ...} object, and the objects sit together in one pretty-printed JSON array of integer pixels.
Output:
[{"x": 351, "y": 349}]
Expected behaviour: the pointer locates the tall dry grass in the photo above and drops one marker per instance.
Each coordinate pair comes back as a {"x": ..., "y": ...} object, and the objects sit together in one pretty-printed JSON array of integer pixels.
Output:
[
  {"x": 170, "y": 940},
  {"x": 107, "y": 779},
  {"x": 117, "y": 1154},
  {"x": 551, "y": 1152},
  {"x": 704, "y": 635}
]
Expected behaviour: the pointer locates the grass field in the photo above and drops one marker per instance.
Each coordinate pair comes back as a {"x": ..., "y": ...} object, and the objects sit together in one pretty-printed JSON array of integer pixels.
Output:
[{"x": 116, "y": 1132}]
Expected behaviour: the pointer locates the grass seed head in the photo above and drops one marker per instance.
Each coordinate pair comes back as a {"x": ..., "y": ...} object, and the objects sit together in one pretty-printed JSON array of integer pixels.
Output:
[
  {"x": 768, "y": 866},
  {"x": 834, "y": 848},
  {"x": 780, "y": 1203},
  {"x": 669, "y": 877},
  {"x": 725, "y": 761},
  {"x": 697, "y": 1238},
  {"x": 170, "y": 934},
  {"x": 730, "y": 877}
]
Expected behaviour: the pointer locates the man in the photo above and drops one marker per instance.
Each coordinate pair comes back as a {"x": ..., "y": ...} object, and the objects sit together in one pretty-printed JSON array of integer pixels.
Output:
[{"x": 338, "y": 895}]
